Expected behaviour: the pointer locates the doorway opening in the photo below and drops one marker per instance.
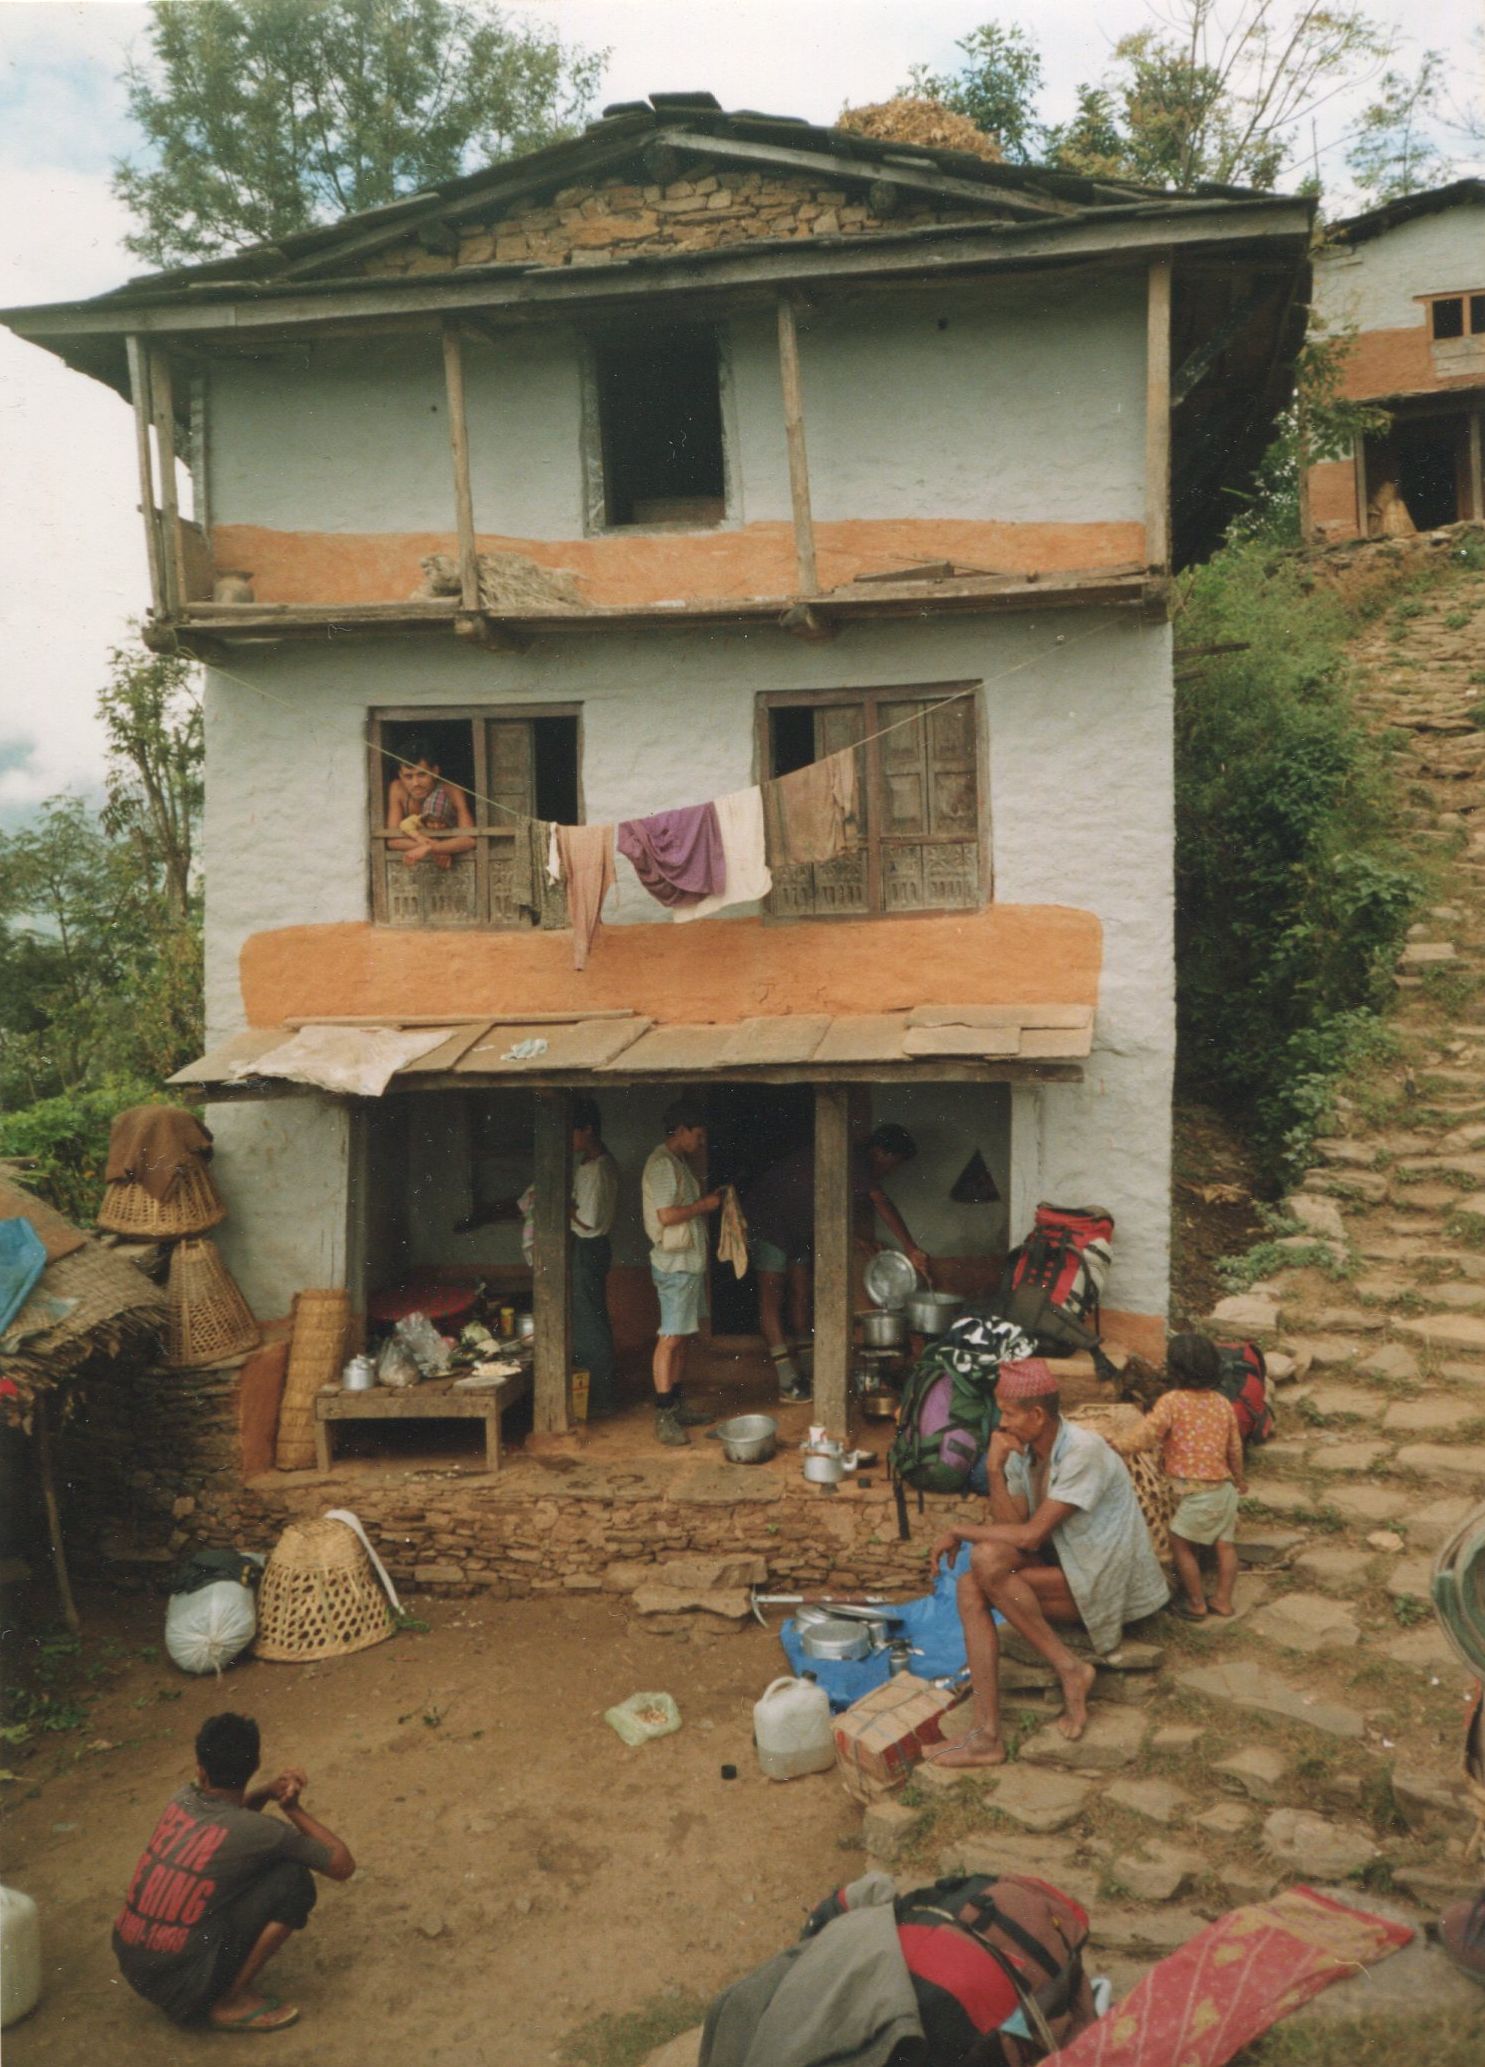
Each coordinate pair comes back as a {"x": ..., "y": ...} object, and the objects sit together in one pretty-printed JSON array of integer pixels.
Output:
[{"x": 749, "y": 1128}]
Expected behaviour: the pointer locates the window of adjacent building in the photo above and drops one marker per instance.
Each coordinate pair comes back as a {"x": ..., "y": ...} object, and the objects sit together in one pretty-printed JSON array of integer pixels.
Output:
[
  {"x": 922, "y": 842},
  {"x": 660, "y": 427},
  {"x": 1457, "y": 315},
  {"x": 509, "y": 767}
]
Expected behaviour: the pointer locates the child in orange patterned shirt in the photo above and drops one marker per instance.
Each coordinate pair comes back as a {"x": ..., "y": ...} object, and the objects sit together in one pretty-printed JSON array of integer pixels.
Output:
[{"x": 1202, "y": 1451}]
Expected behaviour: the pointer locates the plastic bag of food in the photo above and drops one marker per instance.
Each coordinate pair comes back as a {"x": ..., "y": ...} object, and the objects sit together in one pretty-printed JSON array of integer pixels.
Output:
[
  {"x": 207, "y": 1629},
  {"x": 396, "y": 1364},
  {"x": 426, "y": 1346},
  {"x": 643, "y": 1716}
]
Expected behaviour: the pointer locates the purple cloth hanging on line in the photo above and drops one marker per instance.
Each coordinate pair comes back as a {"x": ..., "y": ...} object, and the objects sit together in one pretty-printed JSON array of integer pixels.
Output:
[{"x": 677, "y": 855}]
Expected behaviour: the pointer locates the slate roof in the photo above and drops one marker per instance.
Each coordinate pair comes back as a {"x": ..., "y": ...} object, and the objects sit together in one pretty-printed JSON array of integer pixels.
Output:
[{"x": 1372, "y": 222}]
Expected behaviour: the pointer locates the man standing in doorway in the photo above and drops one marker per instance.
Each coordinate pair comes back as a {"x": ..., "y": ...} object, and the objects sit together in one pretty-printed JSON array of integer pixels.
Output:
[
  {"x": 779, "y": 1206},
  {"x": 675, "y": 1211},
  {"x": 595, "y": 1198}
]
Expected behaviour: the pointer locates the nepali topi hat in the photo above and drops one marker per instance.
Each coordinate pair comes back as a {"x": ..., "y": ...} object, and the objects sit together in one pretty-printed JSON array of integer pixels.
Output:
[{"x": 1029, "y": 1380}]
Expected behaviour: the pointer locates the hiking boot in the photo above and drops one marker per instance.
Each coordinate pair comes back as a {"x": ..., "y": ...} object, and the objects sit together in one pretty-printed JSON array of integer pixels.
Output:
[
  {"x": 668, "y": 1429},
  {"x": 793, "y": 1393},
  {"x": 691, "y": 1417}
]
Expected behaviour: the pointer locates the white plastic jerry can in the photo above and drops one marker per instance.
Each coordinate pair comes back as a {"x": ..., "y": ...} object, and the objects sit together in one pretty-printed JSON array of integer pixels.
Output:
[
  {"x": 20, "y": 1956},
  {"x": 791, "y": 1728}
]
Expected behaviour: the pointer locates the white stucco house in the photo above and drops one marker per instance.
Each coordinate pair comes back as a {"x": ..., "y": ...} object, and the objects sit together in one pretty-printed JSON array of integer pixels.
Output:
[{"x": 774, "y": 439}]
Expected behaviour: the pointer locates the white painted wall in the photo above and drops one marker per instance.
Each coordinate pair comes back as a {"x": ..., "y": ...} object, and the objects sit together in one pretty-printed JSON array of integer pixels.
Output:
[
  {"x": 283, "y": 1167},
  {"x": 970, "y": 402},
  {"x": 1078, "y": 711},
  {"x": 1375, "y": 284}
]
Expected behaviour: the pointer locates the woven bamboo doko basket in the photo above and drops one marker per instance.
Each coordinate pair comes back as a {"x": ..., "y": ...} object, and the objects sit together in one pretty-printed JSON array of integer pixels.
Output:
[
  {"x": 1151, "y": 1486},
  {"x": 320, "y": 1597},
  {"x": 316, "y": 1350},
  {"x": 194, "y": 1205},
  {"x": 207, "y": 1318}
]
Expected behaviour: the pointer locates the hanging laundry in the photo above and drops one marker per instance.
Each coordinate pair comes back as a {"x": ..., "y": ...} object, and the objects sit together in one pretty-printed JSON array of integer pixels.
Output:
[
  {"x": 586, "y": 853},
  {"x": 732, "y": 1234},
  {"x": 677, "y": 855},
  {"x": 814, "y": 809},
  {"x": 748, "y": 875},
  {"x": 530, "y": 847}
]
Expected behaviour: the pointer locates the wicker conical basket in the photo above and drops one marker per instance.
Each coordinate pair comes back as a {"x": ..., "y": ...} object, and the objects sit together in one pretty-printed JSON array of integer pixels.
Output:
[
  {"x": 320, "y": 1597},
  {"x": 316, "y": 1349},
  {"x": 207, "y": 1317},
  {"x": 193, "y": 1205},
  {"x": 1151, "y": 1486}
]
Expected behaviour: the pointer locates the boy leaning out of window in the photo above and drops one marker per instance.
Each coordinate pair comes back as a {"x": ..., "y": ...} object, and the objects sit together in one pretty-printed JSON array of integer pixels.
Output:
[{"x": 427, "y": 814}]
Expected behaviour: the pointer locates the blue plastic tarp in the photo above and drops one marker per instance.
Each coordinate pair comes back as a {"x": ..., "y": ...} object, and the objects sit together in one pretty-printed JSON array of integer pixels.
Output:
[
  {"x": 930, "y": 1624},
  {"x": 22, "y": 1260}
]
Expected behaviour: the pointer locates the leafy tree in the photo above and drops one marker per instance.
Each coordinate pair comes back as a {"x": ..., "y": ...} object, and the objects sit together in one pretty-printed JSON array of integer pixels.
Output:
[
  {"x": 263, "y": 117},
  {"x": 1393, "y": 152},
  {"x": 997, "y": 87},
  {"x": 151, "y": 712}
]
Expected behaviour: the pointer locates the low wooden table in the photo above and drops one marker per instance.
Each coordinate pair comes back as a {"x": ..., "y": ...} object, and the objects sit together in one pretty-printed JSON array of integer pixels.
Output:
[{"x": 434, "y": 1400}]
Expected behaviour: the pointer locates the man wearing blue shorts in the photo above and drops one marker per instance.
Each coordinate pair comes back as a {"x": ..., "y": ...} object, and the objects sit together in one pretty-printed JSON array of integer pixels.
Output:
[{"x": 675, "y": 1211}]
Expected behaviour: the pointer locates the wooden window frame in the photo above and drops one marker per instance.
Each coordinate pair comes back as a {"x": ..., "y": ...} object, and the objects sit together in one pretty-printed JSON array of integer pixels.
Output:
[
  {"x": 869, "y": 697},
  {"x": 1465, "y": 296},
  {"x": 596, "y": 522},
  {"x": 479, "y": 717}
]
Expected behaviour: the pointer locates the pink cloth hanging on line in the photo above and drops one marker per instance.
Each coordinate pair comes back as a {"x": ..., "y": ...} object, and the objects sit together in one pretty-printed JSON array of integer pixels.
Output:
[
  {"x": 677, "y": 855},
  {"x": 587, "y": 856}
]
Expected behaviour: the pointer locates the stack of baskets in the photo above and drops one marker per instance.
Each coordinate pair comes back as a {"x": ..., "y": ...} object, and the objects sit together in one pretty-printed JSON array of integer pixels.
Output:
[
  {"x": 319, "y": 1597},
  {"x": 316, "y": 1346},
  {"x": 207, "y": 1318}
]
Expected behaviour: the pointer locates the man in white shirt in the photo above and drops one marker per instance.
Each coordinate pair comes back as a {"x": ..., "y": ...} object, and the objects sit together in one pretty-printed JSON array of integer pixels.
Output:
[
  {"x": 595, "y": 1197},
  {"x": 675, "y": 1212}
]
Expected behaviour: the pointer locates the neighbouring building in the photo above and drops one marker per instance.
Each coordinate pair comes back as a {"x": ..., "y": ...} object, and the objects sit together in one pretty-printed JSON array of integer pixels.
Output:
[
  {"x": 631, "y": 473},
  {"x": 1405, "y": 285}
]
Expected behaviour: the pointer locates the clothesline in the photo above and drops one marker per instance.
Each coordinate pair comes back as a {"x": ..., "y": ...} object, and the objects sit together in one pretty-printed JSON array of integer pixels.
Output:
[{"x": 1060, "y": 643}]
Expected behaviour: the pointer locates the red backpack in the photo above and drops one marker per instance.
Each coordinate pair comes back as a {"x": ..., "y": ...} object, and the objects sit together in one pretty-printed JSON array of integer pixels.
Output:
[
  {"x": 1245, "y": 1382},
  {"x": 1055, "y": 1280}
]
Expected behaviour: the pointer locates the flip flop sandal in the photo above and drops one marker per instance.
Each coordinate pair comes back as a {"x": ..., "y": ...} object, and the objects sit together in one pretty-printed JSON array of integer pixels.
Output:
[
  {"x": 271, "y": 2015},
  {"x": 1187, "y": 1613}
]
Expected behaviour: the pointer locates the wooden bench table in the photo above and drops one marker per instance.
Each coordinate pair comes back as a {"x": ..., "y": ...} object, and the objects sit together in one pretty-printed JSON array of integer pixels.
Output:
[{"x": 436, "y": 1399}]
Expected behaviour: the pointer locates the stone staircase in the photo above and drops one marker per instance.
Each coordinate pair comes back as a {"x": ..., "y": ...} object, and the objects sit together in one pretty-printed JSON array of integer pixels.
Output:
[{"x": 1317, "y": 1735}]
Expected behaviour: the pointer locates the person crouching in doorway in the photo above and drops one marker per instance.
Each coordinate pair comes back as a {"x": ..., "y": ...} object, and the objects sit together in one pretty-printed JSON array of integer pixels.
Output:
[{"x": 675, "y": 1211}]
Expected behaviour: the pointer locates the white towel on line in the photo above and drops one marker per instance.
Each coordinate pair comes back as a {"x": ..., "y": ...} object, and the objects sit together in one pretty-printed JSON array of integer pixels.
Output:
[{"x": 749, "y": 877}]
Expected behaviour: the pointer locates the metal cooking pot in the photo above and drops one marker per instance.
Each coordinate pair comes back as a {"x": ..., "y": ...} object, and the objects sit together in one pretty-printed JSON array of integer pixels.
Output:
[
  {"x": 835, "y": 1639},
  {"x": 929, "y": 1313},
  {"x": 359, "y": 1375},
  {"x": 881, "y": 1329},
  {"x": 880, "y": 1405},
  {"x": 525, "y": 1327},
  {"x": 748, "y": 1438}
]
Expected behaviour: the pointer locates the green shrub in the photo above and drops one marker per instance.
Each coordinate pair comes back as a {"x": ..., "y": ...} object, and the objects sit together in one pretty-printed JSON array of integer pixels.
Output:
[
  {"x": 1293, "y": 893},
  {"x": 63, "y": 1142}
]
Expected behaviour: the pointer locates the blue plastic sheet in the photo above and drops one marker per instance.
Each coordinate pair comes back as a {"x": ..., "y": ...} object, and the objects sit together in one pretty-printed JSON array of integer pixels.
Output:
[
  {"x": 22, "y": 1260},
  {"x": 930, "y": 1624}
]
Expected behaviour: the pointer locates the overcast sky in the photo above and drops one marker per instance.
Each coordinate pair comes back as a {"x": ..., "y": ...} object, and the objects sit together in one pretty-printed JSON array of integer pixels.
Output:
[{"x": 70, "y": 541}]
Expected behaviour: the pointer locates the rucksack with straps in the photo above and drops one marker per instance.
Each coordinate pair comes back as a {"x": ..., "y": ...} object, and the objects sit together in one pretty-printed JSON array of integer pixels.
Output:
[
  {"x": 1244, "y": 1381},
  {"x": 948, "y": 1410},
  {"x": 996, "y": 1963},
  {"x": 1054, "y": 1282}
]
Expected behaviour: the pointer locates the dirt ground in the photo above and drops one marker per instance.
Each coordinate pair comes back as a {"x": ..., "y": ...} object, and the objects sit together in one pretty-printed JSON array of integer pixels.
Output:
[{"x": 520, "y": 1870}]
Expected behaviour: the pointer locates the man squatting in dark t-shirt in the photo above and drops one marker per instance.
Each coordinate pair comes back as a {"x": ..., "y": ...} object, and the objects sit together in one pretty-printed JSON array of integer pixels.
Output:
[{"x": 221, "y": 1887}]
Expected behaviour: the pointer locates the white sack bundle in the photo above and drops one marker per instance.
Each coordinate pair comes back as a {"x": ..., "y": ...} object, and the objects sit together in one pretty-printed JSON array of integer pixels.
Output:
[{"x": 206, "y": 1630}]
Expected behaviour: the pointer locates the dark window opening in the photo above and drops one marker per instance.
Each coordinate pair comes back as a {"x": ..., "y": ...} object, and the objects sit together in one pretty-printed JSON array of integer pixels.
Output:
[
  {"x": 1477, "y": 315},
  {"x": 660, "y": 410},
  {"x": 1448, "y": 317},
  {"x": 1423, "y": 466},
  {"x": 792, "y": 738},
  {"x": 555, "y": 784}
]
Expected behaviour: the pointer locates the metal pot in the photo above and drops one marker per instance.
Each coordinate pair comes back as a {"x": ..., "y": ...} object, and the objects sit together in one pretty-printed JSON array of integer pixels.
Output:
[
  {"x": 881, "y": 1329},
  {"x": 929, "y": 1313},
  {"x": 822, "y": 1468},
  {"x": 832, "y": 1639},
  {"x": 359, "y": 1375},
  {"x": 525, "y": 1327},
  {"x": 880, "y": 1405},
  {"x": 748, "y": 1438}
]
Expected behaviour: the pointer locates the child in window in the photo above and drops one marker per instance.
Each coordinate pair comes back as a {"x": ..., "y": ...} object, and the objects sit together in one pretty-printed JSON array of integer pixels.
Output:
[
  {"x": 427, "y": 814},
  {"x": 1202, "y": 1451}
]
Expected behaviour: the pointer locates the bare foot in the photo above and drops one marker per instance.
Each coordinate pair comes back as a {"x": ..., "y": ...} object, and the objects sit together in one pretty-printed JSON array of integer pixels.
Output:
[
  {"x": 1219, "y": 1609},
  {"x": 1077, "y": 1685},
  {"x": 979, "y": 1748},
  {"x": 252, "y": 2013}
]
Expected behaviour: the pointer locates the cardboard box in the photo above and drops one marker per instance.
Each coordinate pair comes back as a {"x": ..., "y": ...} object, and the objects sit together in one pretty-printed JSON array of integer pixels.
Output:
[{"x": 881, "y": 1737}]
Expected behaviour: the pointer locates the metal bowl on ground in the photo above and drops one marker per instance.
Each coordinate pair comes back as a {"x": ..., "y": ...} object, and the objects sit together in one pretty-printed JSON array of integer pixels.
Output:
[
  {"x": 890, "y": 1278},
  {"x": 881, "y": 1328},
  {"x": 929, "y": 1313},
  {"x": 748, "y": 1438}
]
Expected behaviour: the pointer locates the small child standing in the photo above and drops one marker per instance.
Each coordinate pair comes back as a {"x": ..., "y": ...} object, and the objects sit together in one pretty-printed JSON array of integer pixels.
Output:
[{"x": 1202, "y": 1451}]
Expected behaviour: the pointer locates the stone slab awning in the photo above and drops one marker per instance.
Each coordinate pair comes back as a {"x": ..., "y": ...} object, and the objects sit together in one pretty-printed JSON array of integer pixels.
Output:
[{"x": 931, "y": 1042}]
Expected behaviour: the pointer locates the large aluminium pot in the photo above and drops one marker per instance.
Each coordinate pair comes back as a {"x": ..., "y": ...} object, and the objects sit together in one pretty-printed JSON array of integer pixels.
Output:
[
  {"x": 748, "y": 1438},
  {"x": 881, "y": 1328},
  {"x": 835, "y": 1639},
  {"x": 929, "y": 1313}
]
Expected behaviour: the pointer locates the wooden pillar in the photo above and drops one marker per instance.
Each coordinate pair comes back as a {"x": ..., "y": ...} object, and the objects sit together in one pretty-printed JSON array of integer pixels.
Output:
[
  {"x": 1157, "y": 417},
  {"x": 799, "y": 466},
  {"x": 139, "y": 389},
  {"x": 1358, "y": 449},
  {"x": 832, "y": 1255},
  {"x": 453, "y": 375},
  {"x": 1477, "y": 462},
  {"x": 172, "y": 551},
  {"x": 552, "y": 1260}
]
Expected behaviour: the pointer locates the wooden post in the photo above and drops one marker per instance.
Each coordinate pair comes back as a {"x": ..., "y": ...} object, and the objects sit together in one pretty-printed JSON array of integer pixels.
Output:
[
  {"x": 1363, "y": 494},
  {"x": 139, "y": 388},
  {"x": 552, "y": 1260},
  {"x": 1477, "y": 465},
  {"x": 172, "y": 550},
  {"x": 832, "y": 1255},
  {"x": 1157, "y": 417},
  {"x": 48, "y": 1478},
  {"x": 799, "y": 466},
  {"x": 453, "y": 375}
]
